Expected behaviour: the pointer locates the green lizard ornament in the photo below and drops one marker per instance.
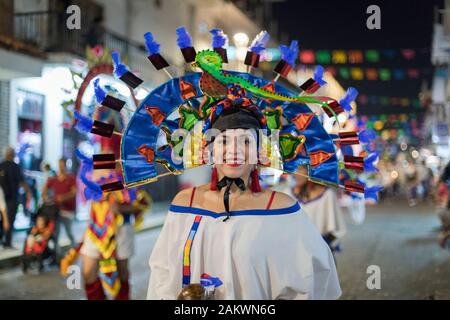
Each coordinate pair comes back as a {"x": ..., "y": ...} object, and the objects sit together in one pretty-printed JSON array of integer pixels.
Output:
[{"x": 211, "y": 64}]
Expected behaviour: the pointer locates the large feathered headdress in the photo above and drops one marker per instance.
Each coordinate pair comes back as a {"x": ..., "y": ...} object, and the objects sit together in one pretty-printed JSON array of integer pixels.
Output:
[{"x": 169, "y": 125}]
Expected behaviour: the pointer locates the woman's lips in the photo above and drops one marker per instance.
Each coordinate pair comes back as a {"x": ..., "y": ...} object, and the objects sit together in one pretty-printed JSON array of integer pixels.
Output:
[{"x": 235, "y": 162}]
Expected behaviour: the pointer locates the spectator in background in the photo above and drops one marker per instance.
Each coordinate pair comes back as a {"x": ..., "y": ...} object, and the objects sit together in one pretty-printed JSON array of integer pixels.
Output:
[
  {"x": 11, "y": 179},
  {"x": 444, "y": 239},
  {"x": 444, "y": 179},
  {"x": 443, "y": 198},
  {"x": 48, "y": 171},
  {"x": 412, "y": 181},
  {"x": 322, "y": 207},
  {"x": 36, "y": 244},
  {"x": 446, "y": 173},
  {"x": 426, "y": 179},
  {"x": 4, "y": 224},
  {"x": 64, "y": 190}
]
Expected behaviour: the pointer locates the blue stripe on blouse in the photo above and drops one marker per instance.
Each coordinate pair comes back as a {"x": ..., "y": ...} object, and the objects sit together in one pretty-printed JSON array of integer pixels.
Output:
[{"x": 254, "y": 212}]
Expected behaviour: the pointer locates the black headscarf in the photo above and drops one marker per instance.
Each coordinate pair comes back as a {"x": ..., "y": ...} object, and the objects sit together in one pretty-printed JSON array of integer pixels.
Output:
[{"x": 237, "y": 118}]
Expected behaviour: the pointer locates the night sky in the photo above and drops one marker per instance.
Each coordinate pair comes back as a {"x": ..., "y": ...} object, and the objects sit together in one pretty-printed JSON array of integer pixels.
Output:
[
  {"x": 331, "y": 24},
  {"x": 320, "y": 24}
]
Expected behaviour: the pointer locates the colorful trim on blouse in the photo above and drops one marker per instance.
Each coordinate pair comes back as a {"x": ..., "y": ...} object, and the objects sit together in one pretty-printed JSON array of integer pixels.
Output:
[{"x": 187, "y": 251}]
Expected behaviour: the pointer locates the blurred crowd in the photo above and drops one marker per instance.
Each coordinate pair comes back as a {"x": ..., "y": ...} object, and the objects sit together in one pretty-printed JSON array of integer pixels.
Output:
[
  {"x": 49, "y": 201},
  {"x": 420, "y": 182},
  {"x": 413, "y": 179}
]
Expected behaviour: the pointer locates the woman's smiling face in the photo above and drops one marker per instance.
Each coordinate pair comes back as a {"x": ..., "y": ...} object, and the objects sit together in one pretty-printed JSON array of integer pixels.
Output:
[{"x": 235, "y": 152}]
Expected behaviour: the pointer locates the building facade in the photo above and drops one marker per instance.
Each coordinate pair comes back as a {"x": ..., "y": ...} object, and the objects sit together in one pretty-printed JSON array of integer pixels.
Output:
[{"x": 38, "y": 51}]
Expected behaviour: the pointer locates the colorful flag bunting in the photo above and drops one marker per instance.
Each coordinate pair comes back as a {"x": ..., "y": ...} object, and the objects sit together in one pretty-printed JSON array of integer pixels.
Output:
[
  {"x": 307, "y": 57},
  {"x": 323, "y": 57},
  {"x": 339, "y": 56},
  {"x": 357, "y": 73},
  {"x": 385, "y": 74},
  {"x": 355, "y": 56},
  {"x": 371, "y": 74},
  {"x": 372, "y": 56}
]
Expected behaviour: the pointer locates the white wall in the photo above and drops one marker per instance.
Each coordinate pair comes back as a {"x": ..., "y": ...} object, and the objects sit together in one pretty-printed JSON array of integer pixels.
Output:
[
  {"x": 48, "y": 85},
  {"x": 199, "y": 16}
]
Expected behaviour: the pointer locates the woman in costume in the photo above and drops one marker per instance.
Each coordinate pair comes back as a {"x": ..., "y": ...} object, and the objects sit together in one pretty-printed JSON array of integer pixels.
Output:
[
  {"x": 107, "y": 247},
  {"x": 230, "y": 237},
  {"x": 259, "y": 243},
  {"x": 108, "y": 242},
  {"x": 322, "y": 207}
]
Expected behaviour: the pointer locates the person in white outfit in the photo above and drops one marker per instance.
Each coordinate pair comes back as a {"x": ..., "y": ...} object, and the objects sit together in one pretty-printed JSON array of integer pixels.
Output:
[
  {"x": 322, "y": 207},
  {"x": 3, "y": 212},
  {"x": 259, "y": 243}
]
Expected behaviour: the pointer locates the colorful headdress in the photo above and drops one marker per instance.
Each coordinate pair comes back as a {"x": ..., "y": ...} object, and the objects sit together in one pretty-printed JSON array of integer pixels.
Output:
[{"x": 168, "y": 126}]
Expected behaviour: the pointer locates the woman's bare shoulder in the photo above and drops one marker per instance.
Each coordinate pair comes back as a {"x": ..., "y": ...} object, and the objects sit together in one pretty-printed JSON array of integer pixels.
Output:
[
  {"x": 183, "y": 197},
  {"x": 282, "y": 200}
]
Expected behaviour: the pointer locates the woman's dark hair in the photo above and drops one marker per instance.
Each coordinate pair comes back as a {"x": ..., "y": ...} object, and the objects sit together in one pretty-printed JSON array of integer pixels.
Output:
[
  {"x": 237, "y": 117},
  {"x": 305, "y": 190}
]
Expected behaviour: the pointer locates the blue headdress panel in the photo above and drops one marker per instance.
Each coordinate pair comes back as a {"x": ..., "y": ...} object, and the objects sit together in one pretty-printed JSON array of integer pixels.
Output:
[
  {"x": 140, "y": 137},
  {"x": 317, "y": 139},
  {"x": 139, "y": 142}
]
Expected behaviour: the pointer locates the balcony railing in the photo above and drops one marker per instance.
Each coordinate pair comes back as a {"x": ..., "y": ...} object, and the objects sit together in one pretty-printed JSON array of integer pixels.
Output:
[{"x": 47, "y": 31}]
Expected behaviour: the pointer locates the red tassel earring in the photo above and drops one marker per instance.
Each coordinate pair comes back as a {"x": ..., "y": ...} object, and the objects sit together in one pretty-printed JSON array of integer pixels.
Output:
[
  {"x": 214, "y": 179},
  {"x": 255, "y": 186}
]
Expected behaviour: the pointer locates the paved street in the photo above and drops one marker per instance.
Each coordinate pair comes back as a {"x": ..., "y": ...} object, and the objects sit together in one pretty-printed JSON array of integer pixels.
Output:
[
  {"x": 398, "y": 239},
  {"x": 402, "y": 242},
  {"x": 51, "y": 285}
]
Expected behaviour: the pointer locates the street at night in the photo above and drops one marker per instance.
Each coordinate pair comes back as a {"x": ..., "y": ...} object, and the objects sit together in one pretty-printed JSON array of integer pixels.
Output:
[
  {"x": 400, "y": 240},
  {"x": 238, "y": 152}
]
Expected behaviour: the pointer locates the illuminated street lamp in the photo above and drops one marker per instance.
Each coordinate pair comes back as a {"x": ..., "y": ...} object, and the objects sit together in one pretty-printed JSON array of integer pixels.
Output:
[{"x": 241, "y": 39}]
